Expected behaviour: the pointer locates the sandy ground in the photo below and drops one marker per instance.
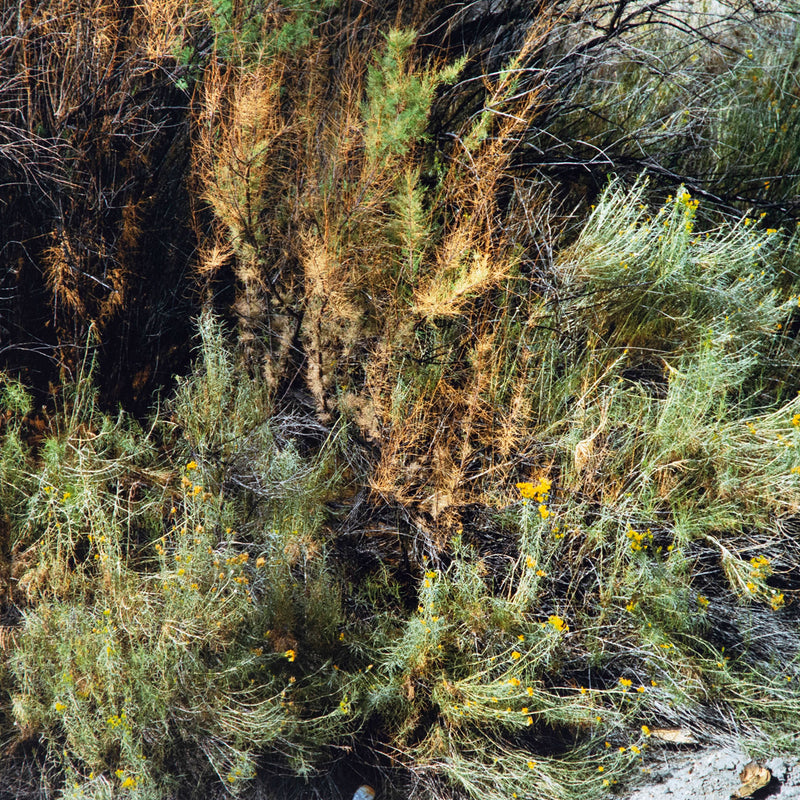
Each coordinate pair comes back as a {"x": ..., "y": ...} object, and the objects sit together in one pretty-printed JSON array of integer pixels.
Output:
[{"x": 714, "y": 775}]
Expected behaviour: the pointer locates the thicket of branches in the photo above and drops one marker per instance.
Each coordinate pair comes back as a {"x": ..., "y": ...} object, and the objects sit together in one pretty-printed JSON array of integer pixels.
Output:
[
  {"x": 485, "y": 467},
  {"x": 94, "y": 159}
]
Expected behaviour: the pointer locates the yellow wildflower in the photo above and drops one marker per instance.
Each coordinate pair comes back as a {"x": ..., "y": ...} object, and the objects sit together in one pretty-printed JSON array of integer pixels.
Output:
[
  {"x": 558, "y": 623},
  {"x": 537, "y": 492},
  {"x": 290, "y": 654}
]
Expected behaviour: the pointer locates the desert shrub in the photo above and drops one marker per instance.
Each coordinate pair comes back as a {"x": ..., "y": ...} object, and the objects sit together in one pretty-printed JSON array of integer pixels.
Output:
[
  {"x": 660, "y": 361},
  {"x": 705, "y": 95},
  {"x": 158, "y": 643}
]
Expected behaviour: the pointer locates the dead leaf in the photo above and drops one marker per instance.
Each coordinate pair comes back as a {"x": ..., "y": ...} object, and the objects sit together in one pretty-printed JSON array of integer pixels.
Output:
[
  {"x": 673, "y": 735},
  {"x": 753, "y": 778}
]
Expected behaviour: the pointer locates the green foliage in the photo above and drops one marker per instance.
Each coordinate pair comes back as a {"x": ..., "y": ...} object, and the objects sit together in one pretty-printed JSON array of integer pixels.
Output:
[
  {"x": 700, "y": 316},
  {"x": 14, "y": 399},
  {"x": 399, "y": 99},
  {"x": 243, "y": 35},
  {"x": 653, "y": 396},
  {"x": 155, "y": 629}
]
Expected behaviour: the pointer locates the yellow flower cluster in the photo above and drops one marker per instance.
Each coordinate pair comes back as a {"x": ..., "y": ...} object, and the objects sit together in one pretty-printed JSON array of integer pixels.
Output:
[
  {"x": 537, "y": 492},
  {"x": 558, "y": 623},
  {"x": 686, "y": 200},
  {"x": 760, "y": 567},
  {"x": 639, "y": 541},
  {"x": 127, "y": 781},
  {"x": 117, "y": 721}
]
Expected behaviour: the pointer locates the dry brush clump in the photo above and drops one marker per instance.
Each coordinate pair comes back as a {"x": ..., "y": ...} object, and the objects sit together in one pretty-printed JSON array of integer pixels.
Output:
[
  {"x": 381, "y": 272},
  {"x": 93, "y": 160}
]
